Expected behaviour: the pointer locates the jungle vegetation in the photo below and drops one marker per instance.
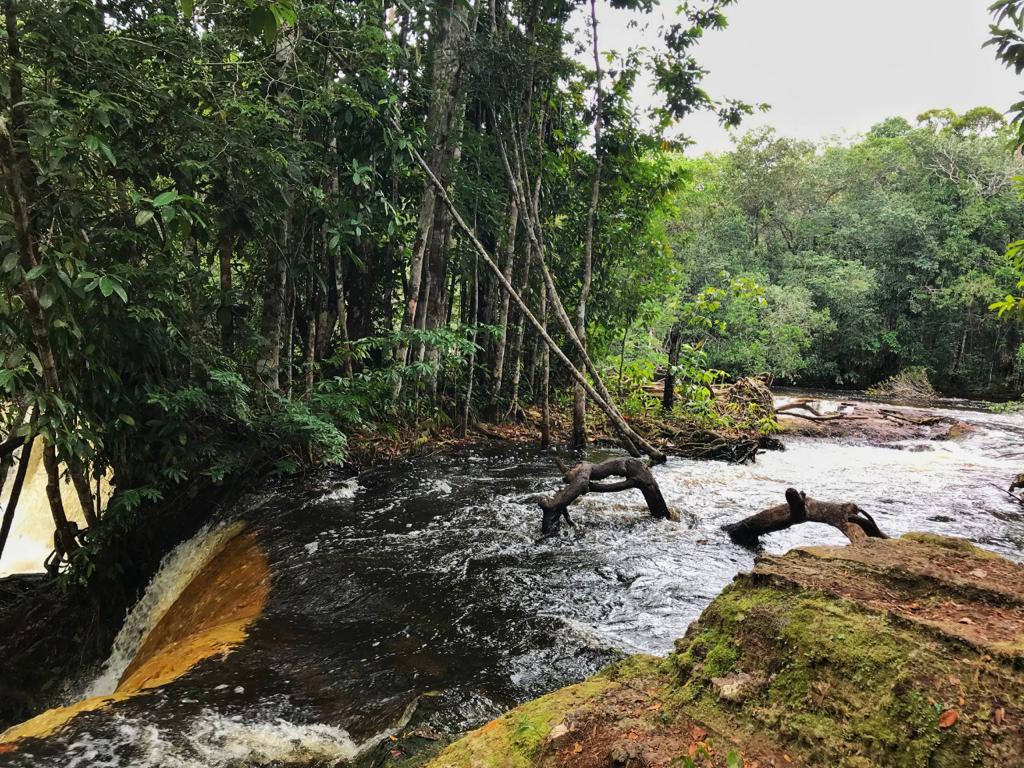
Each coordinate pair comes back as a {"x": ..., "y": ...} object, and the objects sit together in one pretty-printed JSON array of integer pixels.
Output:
[{"x": 235, "y": 234}]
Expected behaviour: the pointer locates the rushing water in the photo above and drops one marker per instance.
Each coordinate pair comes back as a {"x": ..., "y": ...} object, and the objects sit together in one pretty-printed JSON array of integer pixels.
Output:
[{"x": 423, "y": 585}]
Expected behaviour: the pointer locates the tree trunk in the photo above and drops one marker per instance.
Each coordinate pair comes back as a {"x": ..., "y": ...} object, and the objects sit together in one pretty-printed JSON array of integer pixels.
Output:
[
  {"x": 628, "y": 437},
  {"x": 853, "y": 521},
  {"x": 225, "y": 247},
  {"x": 471, "y": 369},
  {"x": 579, "y": 409},
  {"x": 503, "y": 312},
  {"x": 622, "y": 352},
  {"x": 584, "y": 478},
  {"x": 12, "y": 501},
  {"x": 268, "y": 365},
  {"x": 545, "y": 374},
  {"x": 64, "y": 539},
  {"x": 449, "y": 33},
  {"x": 668, "y": 397}
]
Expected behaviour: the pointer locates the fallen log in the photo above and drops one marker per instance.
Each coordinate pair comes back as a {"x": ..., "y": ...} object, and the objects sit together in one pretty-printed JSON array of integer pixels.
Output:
[
  {"x": 791, "y": 409},
  {"x": 853, "y": 521},
  {"x": 585, "y": 478}
]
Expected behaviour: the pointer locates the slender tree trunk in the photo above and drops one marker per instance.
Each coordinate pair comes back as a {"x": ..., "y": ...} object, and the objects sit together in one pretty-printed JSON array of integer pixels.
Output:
[
  {"x": 12, "y": 501},
  {"x": 475, "y": 312},
  {"x": 630, "y": 440},
  {"x": 545, "y": 374},
  {"x": 289, "y": 346},
  {"x": 225, "y": 247},
  {"x": 310, "y": 361},
  {"x": 622, "y": 353},
  {"x": 63, "y": 537},
  {"x": 16, "y": 168},
  {"x": 579, "y": 410},
  {"x": 499, "y": 343},
  {"x": 268, "y": 365},
  {"x": 517, "y": 343},
  {"x": 668, "y": 397}
]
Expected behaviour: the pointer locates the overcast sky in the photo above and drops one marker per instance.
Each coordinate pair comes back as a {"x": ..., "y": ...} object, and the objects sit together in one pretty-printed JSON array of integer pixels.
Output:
[{"x": 830, "y": 67}]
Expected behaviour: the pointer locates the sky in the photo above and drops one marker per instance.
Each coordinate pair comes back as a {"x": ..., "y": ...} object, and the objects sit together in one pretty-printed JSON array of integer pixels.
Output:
[{"x": 835, "y": 67}]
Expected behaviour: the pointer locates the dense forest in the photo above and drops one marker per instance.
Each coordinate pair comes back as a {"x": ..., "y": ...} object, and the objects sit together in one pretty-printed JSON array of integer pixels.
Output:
[
  {"x": 234, "y": 235},
  {"x": 872, "y": 255}
]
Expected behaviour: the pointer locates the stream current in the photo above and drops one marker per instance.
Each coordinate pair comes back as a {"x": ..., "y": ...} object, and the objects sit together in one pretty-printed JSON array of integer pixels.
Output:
[{"x": 421, "y": 590}]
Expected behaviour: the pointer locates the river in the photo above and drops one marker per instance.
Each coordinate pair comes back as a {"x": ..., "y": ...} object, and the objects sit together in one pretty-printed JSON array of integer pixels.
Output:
[{"x": 420, "y": 590}]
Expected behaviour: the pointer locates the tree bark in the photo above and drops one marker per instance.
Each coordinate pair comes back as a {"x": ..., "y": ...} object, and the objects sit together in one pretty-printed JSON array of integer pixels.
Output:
[
  {"x": 585, "y": 478},
  {"x": 579, "y": 409},
  {"x": 545, "y": 374},
  {"x": 630, "y": 440},
  {"x": 503, "y": 312},
  {"x": 449, "y": 34},
  {"x": 268, "y": 365},
  {"x": 12, "y": 501},
  {"x": 668, "y": 396},
  {"x": 853, "y": 521},
  {"x": 225, "y": 247}
]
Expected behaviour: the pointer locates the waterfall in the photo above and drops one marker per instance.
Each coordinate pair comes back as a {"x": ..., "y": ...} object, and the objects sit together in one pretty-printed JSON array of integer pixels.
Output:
[{"x": 178, "y": 568}]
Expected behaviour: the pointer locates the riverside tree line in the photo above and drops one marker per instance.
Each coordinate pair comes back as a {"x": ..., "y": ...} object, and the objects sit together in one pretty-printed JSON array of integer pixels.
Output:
[{"x": 235, "y": 233}]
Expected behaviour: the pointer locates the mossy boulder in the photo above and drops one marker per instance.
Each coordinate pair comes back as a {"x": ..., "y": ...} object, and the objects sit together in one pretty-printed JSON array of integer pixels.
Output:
[{"x": 905, "y": 652}]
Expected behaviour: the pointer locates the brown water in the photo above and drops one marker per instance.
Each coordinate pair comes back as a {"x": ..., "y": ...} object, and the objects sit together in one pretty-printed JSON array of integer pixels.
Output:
[{"x": 420, "y": 590}]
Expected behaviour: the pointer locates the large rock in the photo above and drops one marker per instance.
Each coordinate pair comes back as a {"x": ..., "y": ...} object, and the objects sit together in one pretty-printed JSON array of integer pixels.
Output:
[{"x": 900, "y": 652}]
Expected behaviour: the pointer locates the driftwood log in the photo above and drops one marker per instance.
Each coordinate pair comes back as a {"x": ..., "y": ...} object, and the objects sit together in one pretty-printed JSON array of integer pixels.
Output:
[
  {"x": 853, "y": 521},
  {"x": 586, "y": 478}
]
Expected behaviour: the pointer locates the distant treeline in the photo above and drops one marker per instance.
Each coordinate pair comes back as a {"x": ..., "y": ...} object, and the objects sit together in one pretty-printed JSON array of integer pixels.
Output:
[{"x": 873, "y": 255}]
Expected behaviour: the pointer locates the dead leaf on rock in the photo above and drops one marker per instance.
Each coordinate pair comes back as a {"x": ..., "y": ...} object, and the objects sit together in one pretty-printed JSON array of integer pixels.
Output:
[
  {"x": 577, "y": 747},
  {"x": 948, "y": 718}
]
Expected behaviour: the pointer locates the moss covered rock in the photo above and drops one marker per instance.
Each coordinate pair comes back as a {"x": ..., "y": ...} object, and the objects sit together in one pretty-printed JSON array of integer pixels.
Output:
[{"x": 901, "y": 652}]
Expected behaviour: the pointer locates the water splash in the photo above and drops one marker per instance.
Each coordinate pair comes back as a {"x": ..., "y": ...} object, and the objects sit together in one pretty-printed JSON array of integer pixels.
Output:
[{"x": 215, "y": 741}]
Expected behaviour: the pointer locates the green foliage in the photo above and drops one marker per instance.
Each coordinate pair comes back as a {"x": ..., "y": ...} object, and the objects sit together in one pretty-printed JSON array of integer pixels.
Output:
[{"x": 873, "y": 256}]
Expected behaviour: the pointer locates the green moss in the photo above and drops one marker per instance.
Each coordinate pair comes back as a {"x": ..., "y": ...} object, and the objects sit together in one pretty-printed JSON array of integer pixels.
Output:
[
  {"x": 951, "y": 542},
  {"x": 632, "y": 668},
  {"x": 513, "y": 740}
]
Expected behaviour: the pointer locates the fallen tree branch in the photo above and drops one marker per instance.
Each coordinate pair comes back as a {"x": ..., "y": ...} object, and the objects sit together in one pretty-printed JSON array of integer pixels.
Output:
[
  {"x": 854, "y": 522},
  {"x": 585, "y": 478},
  {"x": 630, "y": 440},
  {"x": 790, "y": 409}
]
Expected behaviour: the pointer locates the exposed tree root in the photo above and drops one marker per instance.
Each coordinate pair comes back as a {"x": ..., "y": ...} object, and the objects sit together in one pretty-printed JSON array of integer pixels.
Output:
[{"x": 853, "y": 521}]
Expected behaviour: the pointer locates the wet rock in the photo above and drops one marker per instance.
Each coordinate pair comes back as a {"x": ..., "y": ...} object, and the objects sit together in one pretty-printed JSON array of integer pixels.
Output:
[
  {"x": 629, "y": 754},
  {"x": 736, "y": 687},
  {"x": 956, "y": 431},
  {"x": 560, "y": 735}
]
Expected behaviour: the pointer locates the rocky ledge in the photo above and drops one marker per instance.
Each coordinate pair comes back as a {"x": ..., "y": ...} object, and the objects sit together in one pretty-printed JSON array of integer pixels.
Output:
[{"x": 906, "y": 652}]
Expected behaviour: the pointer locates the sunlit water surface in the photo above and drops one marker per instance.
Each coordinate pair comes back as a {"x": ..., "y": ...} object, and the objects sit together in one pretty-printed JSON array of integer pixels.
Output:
[{"x": 423, "y": 585}]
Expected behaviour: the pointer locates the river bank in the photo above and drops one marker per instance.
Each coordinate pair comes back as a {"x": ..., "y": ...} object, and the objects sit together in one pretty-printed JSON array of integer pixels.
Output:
[
  {"x": 421, "y": 583},
  {"x": 888, "y": 653}
]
